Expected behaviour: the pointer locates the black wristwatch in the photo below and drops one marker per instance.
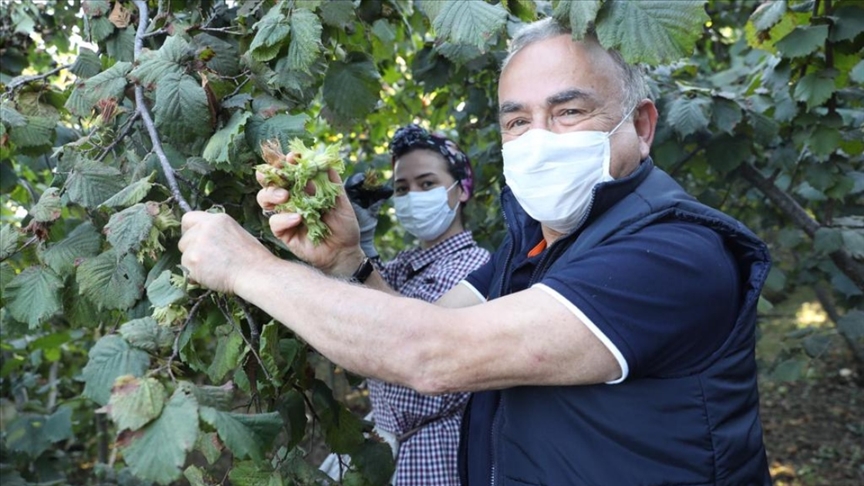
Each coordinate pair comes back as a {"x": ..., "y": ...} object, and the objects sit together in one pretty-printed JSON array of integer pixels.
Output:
[{"x": 363, "y": 271}]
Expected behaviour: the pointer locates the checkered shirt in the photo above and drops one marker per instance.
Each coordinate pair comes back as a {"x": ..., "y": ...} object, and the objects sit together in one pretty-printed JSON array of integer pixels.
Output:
[{"x": 428, "y": 457}]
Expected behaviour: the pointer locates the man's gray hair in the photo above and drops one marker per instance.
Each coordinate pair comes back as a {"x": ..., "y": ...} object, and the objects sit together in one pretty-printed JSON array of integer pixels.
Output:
[{"x": 632, "y": 78}]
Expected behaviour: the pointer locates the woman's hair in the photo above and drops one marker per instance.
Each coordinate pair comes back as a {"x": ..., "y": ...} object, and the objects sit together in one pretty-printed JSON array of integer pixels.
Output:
[
  {"x": 412, "y": 137},
  {"x": 633, "y": 84}
]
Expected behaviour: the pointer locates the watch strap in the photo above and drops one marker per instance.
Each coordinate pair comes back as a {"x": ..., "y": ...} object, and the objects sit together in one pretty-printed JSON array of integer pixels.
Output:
[{"x": 363, "y": 271}]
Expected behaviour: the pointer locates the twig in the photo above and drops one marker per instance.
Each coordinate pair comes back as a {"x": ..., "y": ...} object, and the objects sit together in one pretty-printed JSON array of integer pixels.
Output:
[
  {"x": 36, "y": 77},
  {"x": 127, "y": 127},
  {"x": 27, "y": 243},
  {"x": 155, "y": 33},
  {"x": 790, "y": 208},
  {"x": 52, "y": 384},
  {"x": 225, "y": 311},
  {"x": 145, "y": 113},
  {"x": 175, "y": 350}
]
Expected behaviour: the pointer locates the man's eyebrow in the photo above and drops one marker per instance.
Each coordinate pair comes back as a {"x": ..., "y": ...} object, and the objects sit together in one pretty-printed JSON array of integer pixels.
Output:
[
  {"x": 565, "y": 96},
  {"x": 509, "y": 107}
]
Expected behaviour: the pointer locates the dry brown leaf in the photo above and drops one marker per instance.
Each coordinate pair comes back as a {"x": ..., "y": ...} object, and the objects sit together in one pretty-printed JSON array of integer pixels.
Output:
[{"x": 120, "y": 16}]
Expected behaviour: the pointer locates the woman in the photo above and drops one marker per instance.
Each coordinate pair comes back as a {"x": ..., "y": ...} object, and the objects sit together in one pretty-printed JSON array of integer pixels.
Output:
[{"x": 432, "y": 180}]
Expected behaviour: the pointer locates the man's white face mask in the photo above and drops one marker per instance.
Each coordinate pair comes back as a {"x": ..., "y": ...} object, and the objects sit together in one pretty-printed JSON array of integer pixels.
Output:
[
  {"x": 553, "y": 175},
  {"x": 425, "y": 214}
]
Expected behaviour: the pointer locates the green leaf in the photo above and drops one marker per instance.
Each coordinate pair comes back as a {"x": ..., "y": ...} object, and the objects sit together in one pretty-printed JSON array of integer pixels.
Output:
[
  {"x": 459, "y": 53},
  {"x": 128, "y": 228},
  {"x": 852, "y": 326},
  {"x": 111, "y": 357},
  {"x": 652, "y": 32},
  {"x": 343, "y": 431},
  {"x": 802, "y": 41},
  {"x": 225, "y": 60},
  {"x": 38, "y": 132},
  {"x": 765, "y": 129},
  {"x": 227, "y": 139},
  {"x": 87, "y": 64},
  {"x": 375, "y": 461},
  {"x": 269, "y": 33},
  {"x": 96, "y": 8},
  {"x": 162, "y": 292},
  {"x": 49, "y": 206},
  {"x": 282, "y": 127},
  {"x": 848, "y": 23},
  {"x": 158, "y": 451},
  {"x": 824, "y": 141},
  {"x": 168, "y": 60},
  {"x": 579, "y": 15},
  {"x": 121, "y": 46},
  {"x": 688, "y": 115},
  {"x": 726, "y": 114},
  {"x": 218, "y": 397},
  {"x": 292, "y": 408},
  {"x": 305, "y": 39},
  {"x": 789, "y": 370},
  {"x": 269, "y": 351},
  {"x": 108, "y": 84},
  {"x": 33, "y": 434},
  {"x": 338, "y": 13},
  {"x": 230, "y": 350},
  {"x": 146, "y": 334},
  {"x": 249, "y": 473},
  {"x": 131, "y": 194},
  {"x": 853, "y": 241},
  {"x": 816, "y": 345},
  {"x": 209, "y": 446},
  {"x": 8, "y": 240},
  {"x": 100, "y": 29},
  {"x": 768, "y": 14},
  {"x": 245, "y": 435},
  {"x": 34, "y": 295},
  {"x": 473, "y": 23},
  {"x": 91, "y": 183},
  {"x": 10, "y": 116},
  {"x": 182, "y": 109},
  {"x": 857, "y": 73},
  {"x": 134, "y": 403},
  {"x": 83, "y": 242},
  {"x": 111, "y": 283},
  {"x": 815, "y": 88},
  {"x": 351, "y": 88},
  {"x": 827, "y": 240}
]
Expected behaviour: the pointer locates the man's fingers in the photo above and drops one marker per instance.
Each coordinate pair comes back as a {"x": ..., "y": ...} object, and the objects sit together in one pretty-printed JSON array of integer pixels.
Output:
[
  {"x": 282, "y": 222},
  {"x": 271, "y": 196},
  {"x": 191, "y": 218}
]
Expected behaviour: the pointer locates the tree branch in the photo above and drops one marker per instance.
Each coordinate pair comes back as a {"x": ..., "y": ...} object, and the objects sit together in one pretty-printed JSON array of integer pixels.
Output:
[
  {"x": 22, "y": 80},
  {"x": 127, "y": 127},
  {"x": 792, "y": 210},
  {"x": 141, "y": 108},
  {"x": 175, "y": 350}
]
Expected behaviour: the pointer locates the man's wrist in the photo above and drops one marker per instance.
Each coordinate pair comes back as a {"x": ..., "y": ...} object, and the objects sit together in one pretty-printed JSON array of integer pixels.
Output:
[{"x": 348, "y": 264}]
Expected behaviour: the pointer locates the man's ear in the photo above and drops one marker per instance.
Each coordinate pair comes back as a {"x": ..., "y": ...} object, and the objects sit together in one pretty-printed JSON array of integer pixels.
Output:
[{"x": 645, "y": 123}]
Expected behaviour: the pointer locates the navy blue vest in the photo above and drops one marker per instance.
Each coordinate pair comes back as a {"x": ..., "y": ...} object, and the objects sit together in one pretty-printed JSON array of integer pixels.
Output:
[{"x": 700, "y": 429}]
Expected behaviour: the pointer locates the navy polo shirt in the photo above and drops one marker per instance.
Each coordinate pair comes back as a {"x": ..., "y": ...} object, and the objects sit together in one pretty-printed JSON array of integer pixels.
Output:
[{"x": 661, "y": 299}]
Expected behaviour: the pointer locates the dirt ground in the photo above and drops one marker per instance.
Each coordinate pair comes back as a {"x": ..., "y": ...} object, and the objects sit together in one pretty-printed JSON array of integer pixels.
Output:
[{"x": 814, "y": 428}]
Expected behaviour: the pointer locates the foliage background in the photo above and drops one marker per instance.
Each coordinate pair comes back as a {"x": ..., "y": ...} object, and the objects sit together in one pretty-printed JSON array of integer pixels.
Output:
[{"x": 110, "y": 370}]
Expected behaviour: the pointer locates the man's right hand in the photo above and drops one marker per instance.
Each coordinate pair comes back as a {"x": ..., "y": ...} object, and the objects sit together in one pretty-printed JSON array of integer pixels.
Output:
[{"x": 339, "y": 254}]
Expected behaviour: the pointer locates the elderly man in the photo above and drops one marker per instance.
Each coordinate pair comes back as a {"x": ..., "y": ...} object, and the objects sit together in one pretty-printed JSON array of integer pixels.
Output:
[{"x": 611, "y": 338}]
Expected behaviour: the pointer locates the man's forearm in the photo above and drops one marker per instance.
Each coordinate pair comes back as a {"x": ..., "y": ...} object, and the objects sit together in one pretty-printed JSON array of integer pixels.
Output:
[{"x": 365, "y": 330}]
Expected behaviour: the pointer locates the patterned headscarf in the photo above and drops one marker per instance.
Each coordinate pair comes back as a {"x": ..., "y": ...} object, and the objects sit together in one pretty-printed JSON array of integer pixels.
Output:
[{"x": 412, "y": 137}]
